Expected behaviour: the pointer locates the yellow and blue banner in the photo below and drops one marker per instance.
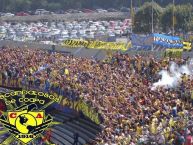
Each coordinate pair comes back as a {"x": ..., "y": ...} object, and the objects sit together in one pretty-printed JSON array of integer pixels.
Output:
[{"x": 97, "y": 44}]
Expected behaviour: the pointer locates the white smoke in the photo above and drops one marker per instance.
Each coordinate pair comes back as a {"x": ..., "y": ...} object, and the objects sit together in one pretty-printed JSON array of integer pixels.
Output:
[{"x": 173, "y": 77}]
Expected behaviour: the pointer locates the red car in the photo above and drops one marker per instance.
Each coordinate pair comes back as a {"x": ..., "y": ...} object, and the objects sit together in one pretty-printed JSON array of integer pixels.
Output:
[
  {"x": 88, "y": 11},
  {"x": 22, "y": 14}
]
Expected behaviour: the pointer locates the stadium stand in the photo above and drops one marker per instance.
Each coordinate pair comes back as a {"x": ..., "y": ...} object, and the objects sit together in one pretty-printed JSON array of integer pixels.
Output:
[
  {"x": 70, "y": 125},
  {"x": 118, "y": 88}
]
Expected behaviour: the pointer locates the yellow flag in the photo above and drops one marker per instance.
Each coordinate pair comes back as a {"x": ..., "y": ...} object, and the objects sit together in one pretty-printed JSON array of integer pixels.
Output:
[
  {"x": 187, "y": 46},
  {"x": 66, "y": 72},
  {"x": 174, "y": 20}
]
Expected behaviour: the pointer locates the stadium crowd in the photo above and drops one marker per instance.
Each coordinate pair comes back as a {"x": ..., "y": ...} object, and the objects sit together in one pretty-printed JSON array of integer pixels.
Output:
[{"x": 119, "y": 88}]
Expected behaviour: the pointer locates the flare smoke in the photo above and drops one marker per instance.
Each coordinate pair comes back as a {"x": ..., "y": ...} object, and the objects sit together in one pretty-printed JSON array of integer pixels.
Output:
[{"x": 173, "y": 77}]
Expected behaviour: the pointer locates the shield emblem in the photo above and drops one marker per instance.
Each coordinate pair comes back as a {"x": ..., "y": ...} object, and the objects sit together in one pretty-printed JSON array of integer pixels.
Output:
[{"x": 24, "y": 124}]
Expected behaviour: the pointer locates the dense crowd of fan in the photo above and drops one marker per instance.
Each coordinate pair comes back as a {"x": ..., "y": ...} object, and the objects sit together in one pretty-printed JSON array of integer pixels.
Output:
[{"x": 119, "y": 88}]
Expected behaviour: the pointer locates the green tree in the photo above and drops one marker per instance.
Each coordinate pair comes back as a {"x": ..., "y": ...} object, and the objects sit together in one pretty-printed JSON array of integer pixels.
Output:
[
  {"x": 22, "y": 5},
  {"x": 143, "y": 18},
  {"x": 183, "y": 14},
  {"x": 38, "y": 4},
  {"x": 54, "y": 6},
  {"x": 191, "y": 25}
]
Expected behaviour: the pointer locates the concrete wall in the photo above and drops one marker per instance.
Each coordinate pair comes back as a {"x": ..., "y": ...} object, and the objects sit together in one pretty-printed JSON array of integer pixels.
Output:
[{"x": 79, "y": 52}]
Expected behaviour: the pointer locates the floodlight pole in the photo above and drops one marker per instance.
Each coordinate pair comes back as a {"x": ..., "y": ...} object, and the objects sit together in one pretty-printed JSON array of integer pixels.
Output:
[
  {"x": 173, "y": 19},
  {"x": 131, "y": 12},
  {"x": 152, "y": 28}
]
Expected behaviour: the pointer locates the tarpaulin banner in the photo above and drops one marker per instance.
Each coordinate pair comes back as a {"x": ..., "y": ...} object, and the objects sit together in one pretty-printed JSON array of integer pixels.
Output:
[
  {"x": 167, "y": 41},
  {"x": 142, "y": 40},
  {"x": 97, "y": 44},
  {"x": 173, "y": 53}
]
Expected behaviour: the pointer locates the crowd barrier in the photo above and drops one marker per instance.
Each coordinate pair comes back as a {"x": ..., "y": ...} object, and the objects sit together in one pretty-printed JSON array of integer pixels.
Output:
[
  {"x": 86, "y": 109},
  {"x": 66, "y": 100},
  {"x": 97, "y": 44}
]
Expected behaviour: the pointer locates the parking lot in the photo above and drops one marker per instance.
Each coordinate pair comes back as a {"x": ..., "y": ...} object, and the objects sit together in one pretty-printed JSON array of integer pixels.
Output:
[{"x": 57, "y": 31}]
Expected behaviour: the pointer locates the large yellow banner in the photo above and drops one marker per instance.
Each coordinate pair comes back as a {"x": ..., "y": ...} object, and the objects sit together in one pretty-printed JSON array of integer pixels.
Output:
[
  {"x": 173, "y": 53},
  {"x": 97, "y": 44}
]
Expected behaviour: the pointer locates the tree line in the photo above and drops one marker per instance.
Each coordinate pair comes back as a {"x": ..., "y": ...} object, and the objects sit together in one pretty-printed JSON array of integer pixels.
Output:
[
  {"x": 164, "y": 18},
  {"x": 53, "y": 5}
]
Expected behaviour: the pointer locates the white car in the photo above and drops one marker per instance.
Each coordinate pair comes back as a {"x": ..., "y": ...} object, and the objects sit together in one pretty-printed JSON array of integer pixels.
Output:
[
  {"x": 41, "y": 12},
  {"x": 111, "y": 34},
  {"x": 10, "y": 37},
  {"x": 101, "y": 11},
  {"x": 118, "y": 32},
  {"x": 77, "y": 27},
  {"x": 74, "y": 32},
  {"x": 100, "y": 33},
  {"x": 90, "y": 35},
  {"x": 45, "y": 34},
  {"x": 63, "y": 37},
  {"x": 64, "y": 32},
  {"x": 101, "y": 28},
  {"x": 3, "y": 29},
  {"x": 83, "y": 35},
  {"x": 55, "y": 32},
  {"x": 30, "y": 38},
  {"x": 73, "y": 36},
  {"x": 93, "y": 28},
  {"x": 8, "y": 15}
]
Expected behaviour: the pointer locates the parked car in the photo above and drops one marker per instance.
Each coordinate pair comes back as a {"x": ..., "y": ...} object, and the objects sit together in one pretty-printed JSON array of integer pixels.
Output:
[
  {"x": 124, "y": 9},
  {"x": 72, "y": 11},
  {"x": 88, "y": 11},
  {"x": 2, "y": 14},
  {"x": 41, "y": 12},
  {"x": 112, "y": 10},
  {"x": 59, "y": 12},
  {"x": 8, "y": 15},
  {"x": 59, "y": 31},
  {"x": 101, "y": 10},
  {"x": 22, "y": 14}
]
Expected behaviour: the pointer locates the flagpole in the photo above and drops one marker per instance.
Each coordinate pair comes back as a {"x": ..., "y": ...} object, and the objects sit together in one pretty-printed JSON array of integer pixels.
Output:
[
  {"x": 131, "y": 10},
  {"x": 152, "y": 28},
  {"x": 173, "y": 19}
]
